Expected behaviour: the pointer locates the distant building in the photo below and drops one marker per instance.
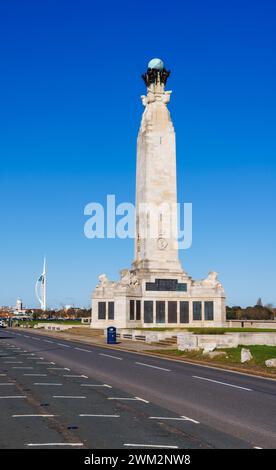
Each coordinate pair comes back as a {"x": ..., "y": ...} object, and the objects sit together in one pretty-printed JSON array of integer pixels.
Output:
[
  {"x": 19, "y": 305},
  {"x": 19, "y": 310}
]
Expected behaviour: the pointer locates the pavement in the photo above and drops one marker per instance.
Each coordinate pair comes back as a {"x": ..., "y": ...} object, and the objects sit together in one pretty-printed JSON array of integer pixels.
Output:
[
  {"x": 85, "y": 335},
  {"x": 59, "y": 393}
]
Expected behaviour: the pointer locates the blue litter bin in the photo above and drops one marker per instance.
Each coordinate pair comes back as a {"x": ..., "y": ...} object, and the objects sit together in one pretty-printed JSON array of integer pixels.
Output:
[{"x": 111, "y": 335}]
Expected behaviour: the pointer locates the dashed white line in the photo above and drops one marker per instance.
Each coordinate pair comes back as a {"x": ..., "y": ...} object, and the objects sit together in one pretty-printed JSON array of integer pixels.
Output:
[
  {"x": 48, "y": 384},
  {"x": 45, "y": 362},
  {"x": 58, "y": 368},
  {"x": 154, "y": 367},
  {"x": 109, "y": 355},
  {"x": 157, "y": 446},
  {"x": 96, "y": 385},
  {"x": 257, "y": 447},
  {"x": 34, "y": 358},
  {"x": 66, "y": 396},
  {"x": 84, "y": 350},
  {"x": 33, "y": 416},
  {"x": 222, "y": 383},
  {"x": 128, "y": 398},
  {"x": 99, "y": 416},
  {"x": 190, "y": 419},
  {"x": 64, "y": 345},
  {"x": 141, "y": 399},
  {"x": 19, "y": 367},
  {"x": 54, "y": 444},
  {"x": 36, "y": 375},
  {"x": 13, "y": 396},
  {"x": 182, "y": 418},
  {"x": 76, "y": 376},
  {"x": 6, "y": 384},
  {"x": 48, "y": 341}
]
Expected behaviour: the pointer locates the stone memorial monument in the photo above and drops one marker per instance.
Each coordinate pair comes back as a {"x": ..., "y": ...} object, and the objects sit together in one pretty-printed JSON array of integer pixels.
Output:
[{"x": 156, "y": 291}]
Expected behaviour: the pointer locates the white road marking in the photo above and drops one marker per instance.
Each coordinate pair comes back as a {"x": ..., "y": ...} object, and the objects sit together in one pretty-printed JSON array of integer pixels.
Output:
[
  {"x": 45, "y": 362},
  {"x": 108, "y": 355},
  {"x": 19, "y": 367},
  {"x": 73, "y": 444},
  {"x": 33, "y": 416},
  {"x": 36, "y": 375},
  {"x": 81, "y": 349},
  {"x": 49, "y": 383},
  {"x": 34, "y": 358},
  {"x": 158, "y": 446},
  {"x": 65, "y": 396},
  {"x": 64, "y": 345},
  {"x": 77, "y": 376},
  {"x": 48, "y": 341},
  {"x": 142, "y": 399},
  {"x": 182, "y": 418},
  {"x": 190, "y": 419},
  {"x": 36, "y": 339},
  {"x": 100, "y": 416},
  {"x": 127, "y": 398},
  {"x": 9, "y": 383},
  {"x": 13, "y": 396},
  {"x": 154, "y": 367},
  {"x": 222, "y": 383},
  {"x": 95, "y": 385},
  {"x": 3, "y": 375},
  {"x": 58, "y": 368},
  {"x": 84, "y": 350}
]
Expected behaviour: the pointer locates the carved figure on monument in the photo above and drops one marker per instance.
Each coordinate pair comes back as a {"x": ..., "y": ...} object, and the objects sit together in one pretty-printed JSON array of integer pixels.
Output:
[
  {"x": 128, "y": 278},
  {"x": 212, "y": 279},
  {"x": 105, "y": 282}
]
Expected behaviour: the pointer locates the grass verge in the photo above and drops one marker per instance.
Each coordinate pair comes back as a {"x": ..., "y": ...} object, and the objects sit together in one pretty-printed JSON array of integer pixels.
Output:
[
  {"x": 211, "y": 331},
  {"x": 257, "y": 365}
]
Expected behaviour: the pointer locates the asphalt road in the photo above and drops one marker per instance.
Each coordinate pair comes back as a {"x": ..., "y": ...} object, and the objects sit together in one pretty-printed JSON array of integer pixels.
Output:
[{"x": 58, "y": 393}]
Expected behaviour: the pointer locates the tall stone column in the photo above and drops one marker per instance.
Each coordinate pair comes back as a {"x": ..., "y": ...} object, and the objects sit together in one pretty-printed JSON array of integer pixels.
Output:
[{"x": 156, "y": 246}]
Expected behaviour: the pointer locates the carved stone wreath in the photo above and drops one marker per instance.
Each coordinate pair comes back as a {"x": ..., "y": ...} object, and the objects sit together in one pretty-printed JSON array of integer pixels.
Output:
[{"x": 162, "y": 243}]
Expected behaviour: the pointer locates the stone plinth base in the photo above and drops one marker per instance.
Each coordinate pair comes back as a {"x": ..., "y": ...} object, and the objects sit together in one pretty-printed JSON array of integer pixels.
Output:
[{"x": 158, "y": 300}]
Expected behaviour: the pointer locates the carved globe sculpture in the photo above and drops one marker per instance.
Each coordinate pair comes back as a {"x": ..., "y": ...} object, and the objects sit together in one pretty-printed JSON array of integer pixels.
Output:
[{"x": 156, "y": 64}]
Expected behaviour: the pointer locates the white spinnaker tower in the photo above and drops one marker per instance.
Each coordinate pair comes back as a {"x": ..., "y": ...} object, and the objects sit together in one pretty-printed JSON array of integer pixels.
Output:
[{"x": 40, "y": 287}]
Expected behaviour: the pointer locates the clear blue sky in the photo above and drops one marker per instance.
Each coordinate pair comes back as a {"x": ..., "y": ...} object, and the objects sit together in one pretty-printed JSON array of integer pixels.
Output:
[{"x": 70, "y": 85}]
